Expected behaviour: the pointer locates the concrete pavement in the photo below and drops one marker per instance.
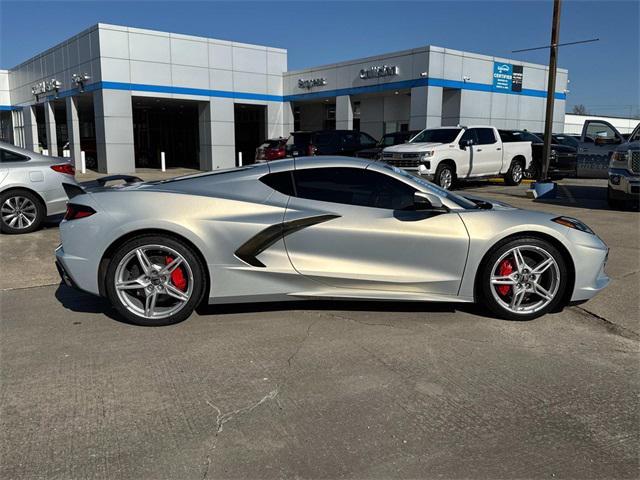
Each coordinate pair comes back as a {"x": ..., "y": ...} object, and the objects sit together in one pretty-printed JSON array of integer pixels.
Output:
[{"x": 322, "y": 389}]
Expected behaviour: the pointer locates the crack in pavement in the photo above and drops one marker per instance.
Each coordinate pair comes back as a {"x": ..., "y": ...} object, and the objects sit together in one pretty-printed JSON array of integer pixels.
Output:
[
  {"x": 304, "y": 339},
  {"x": 613, "y": 328},
  {"x": 222, "y": 418}
]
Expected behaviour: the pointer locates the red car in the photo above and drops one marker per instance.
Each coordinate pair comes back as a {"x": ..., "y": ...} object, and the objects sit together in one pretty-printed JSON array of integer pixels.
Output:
[{"x": 273, "y": 149}]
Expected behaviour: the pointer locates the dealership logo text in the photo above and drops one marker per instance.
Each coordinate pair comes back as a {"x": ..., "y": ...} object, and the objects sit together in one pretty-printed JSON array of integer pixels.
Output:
[
  {"x": 382, "y": 71},
  {"x": 46, "y": 86},
  {"x": 313, "y": 82}
]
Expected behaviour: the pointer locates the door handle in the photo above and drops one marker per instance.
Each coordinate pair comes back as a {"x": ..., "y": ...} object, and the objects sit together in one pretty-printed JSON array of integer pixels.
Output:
[
  {"x": 498, "y": 148},
  {"x": 478, "y": 150}
]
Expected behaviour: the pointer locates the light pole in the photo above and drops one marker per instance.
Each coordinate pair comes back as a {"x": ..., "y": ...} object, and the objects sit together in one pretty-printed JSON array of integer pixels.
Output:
[{"x": 551, "y": 88}]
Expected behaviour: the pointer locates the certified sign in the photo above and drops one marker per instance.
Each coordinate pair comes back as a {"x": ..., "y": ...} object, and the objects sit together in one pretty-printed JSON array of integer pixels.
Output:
[
  {"x": 313, "y": 82},
  {"x": 380, "y": 71},
  {"x": 507, "y": 77}
]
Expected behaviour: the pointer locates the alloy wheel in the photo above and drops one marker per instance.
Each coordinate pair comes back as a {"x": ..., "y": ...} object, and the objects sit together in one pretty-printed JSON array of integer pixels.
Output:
[
  {"x": 18, "y": 212},
  {"x": 517, "y": 173},
  {"x": 154, "y": 281},
  {"x": 446, "y": 179},
  {"x": 525, "y": 279}
]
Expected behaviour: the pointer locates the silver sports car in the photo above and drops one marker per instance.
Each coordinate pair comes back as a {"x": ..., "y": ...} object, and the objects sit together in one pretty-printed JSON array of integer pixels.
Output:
[
  {"x": 30, "y": 188},
  {"x": 318, "y": 227}
]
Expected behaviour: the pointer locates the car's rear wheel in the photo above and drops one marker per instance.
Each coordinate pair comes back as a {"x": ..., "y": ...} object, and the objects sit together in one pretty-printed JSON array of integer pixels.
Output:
[
  {"x": 20, "y": 212},
  {"x": 523, "y": 279},
  {"x": 514, "y": 174},
  {"x": 155, "y": 280}
]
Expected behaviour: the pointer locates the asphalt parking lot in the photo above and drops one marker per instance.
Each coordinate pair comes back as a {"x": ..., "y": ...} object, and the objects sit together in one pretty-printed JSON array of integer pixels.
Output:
[{"x": 323, "y": 389}]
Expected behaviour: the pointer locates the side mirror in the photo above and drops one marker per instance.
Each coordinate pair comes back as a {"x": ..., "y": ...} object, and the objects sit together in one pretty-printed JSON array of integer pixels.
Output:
[
  {"x": 465, "y": 143},
  {"x": 428, "y": 201}
]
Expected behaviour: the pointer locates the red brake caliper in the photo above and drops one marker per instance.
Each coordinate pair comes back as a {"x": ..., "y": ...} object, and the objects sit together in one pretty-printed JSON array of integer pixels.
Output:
[
  {"x": 177, "y": 276},
  {"x": 505, "y": 268}
]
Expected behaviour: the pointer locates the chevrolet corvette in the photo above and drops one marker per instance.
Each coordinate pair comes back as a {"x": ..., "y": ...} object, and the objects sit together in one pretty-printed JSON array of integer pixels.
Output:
[{"x": 312, "y": 228}]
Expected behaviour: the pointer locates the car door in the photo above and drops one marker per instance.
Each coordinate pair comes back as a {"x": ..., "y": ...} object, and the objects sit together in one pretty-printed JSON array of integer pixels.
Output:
[
  {"x": 600, "y": 139},
  {"x": 361, "y": 232},
  {"x": 487, "y": 153}
]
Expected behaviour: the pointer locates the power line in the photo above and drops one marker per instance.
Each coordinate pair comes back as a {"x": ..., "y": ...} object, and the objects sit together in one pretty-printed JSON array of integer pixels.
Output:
[{"x": 558, "y": 45}]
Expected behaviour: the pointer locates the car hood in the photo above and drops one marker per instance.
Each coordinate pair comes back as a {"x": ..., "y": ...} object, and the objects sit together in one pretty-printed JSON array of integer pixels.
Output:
[{"x": 412, "y": 147}]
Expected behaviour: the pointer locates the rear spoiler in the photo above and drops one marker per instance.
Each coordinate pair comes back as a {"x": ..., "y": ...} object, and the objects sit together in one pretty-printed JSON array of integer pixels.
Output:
[{"x": 74, "y": 190}]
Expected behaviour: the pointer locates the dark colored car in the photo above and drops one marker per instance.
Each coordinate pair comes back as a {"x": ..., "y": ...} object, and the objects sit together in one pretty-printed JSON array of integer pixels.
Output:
[
  {"x": 328, "y": 142},
  {"x": 273, "y": 149},
  {"x": 563, "y": 156},
  {"x": 387, "y": 140}
]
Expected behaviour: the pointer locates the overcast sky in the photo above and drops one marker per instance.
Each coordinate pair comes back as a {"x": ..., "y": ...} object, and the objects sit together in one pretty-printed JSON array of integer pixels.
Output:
[{"x": 604, "y": 75}]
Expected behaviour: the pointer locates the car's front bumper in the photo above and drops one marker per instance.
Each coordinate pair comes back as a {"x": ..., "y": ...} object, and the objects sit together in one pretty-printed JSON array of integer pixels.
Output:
[
  {"x": 590, "y": 255},
  {"x": 623, "y": 185}
]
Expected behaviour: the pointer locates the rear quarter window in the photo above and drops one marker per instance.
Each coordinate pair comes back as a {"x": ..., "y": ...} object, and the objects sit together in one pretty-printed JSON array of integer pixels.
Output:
[{"x": 7, "y": 156}]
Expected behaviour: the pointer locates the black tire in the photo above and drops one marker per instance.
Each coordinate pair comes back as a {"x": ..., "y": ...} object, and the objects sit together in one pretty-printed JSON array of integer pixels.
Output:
[
  {"x": 190, "y": 257},
  {"x": 615, "y": 203},
  {"x": 32, "y": 210},
  {"x": 534, "y": 170},
  {"x": 445, "y": 171},
  {"x": 515, "y": 173},
  {"x": 485, "y": 287}
]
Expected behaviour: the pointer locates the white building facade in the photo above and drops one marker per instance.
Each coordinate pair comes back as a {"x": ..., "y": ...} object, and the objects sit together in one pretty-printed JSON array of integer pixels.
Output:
[{"x": 124, "y": 95}]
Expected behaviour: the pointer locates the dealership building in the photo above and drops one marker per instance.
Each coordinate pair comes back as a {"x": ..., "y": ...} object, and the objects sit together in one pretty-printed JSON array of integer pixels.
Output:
[{"x": 123, "y": 95}]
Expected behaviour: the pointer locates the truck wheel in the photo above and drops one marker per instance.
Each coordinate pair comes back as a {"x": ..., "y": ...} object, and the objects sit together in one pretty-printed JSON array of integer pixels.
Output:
[
  {"x": 514, "y": 174},
  {"x": 445, "y": 176}
]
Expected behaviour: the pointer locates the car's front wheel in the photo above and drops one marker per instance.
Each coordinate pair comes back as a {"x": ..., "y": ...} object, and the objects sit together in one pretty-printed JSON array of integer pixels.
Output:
[
  {"x": 445, "y": 176},
  {"x": 155, "y": 280},
  {"x": 20, "y": 212},
  {"x": 523, "y": 279}
]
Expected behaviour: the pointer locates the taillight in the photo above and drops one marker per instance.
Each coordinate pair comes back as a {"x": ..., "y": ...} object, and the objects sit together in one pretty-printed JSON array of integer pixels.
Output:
[
  {"x": 65, "y": 168},
  {"x": 274, "y": 153},
  {"x": 74, "y": 211},
  {"x": 312, "y": 150}
]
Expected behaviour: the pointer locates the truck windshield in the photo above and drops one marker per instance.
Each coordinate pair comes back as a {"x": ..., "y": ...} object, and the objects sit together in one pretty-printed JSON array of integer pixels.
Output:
[{"x": 437, "y": 135}]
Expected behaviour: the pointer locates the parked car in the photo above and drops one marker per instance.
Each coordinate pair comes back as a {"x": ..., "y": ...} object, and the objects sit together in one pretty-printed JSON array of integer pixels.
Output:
[
  {"x": 563, "y": 158},
  {"x": 597, "y": 142},
  {"x": 624, "y": 172},
  {"x": 273, "y": 149},
  {"x": 30, "y": 188},
  {"x": 448, "y": 154},
  {"x": 328, "y": 142},
  {"x": 387, "y": 140},
  {"x": 313, "y": 228}
]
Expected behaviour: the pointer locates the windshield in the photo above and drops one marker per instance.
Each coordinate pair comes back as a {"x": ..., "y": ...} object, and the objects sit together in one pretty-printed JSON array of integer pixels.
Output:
[
  {"x": 388, "y": 140},
  {"x": 437, "y": 135},
  {"x": 426, "y": 186}
]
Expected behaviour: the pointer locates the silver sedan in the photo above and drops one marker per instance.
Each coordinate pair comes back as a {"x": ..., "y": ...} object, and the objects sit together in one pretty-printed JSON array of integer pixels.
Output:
[
  {"x": 30, "y": 188},
  {"x": 318, "y": 227}
]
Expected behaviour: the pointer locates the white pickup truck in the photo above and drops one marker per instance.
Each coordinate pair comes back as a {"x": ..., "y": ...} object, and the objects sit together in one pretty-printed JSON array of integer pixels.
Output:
[{"x": 448, "y": 154}]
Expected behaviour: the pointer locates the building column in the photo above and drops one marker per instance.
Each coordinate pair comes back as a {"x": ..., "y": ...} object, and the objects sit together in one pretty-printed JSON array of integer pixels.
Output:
[
  {"x": 18, "y": 128},
  {"x": 114, "y": 131},
  {"x": 50, "y": 125},
  {"x": 30, "y": 128},
  {"x": 217, "y": 134},
  {"x": 279, "y": 119},
  {"x": 344, "y": 113},
  {"x": 426, "y": 108},
  {"x": 73, "y": 129}
]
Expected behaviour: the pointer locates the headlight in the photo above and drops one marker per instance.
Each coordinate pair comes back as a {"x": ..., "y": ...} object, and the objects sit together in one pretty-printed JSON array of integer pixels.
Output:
[
  {"x": 573, "y": 223},
  {"x": 426, "y": 155},
  {"x": 619, "y": 157}
]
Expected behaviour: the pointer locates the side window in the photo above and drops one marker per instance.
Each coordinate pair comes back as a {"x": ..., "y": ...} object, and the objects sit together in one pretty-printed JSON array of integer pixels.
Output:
[
  {"x": 366, "y": 140},
  {"x": 280, "y": 181},
  {"x": 636, "y": 136},
  {"x": 485, "y": 136},
  {"x": 7, "y": 156},
  {"x": 601, "y": 133},
  {"x": 470, "y": 134},
  {"x": 349, "y": 139},
  {"x": 353, "y": 186}
]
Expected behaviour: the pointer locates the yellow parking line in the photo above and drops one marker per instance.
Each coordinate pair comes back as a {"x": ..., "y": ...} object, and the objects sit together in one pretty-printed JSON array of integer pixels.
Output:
[{"x": 501, "y": 180}]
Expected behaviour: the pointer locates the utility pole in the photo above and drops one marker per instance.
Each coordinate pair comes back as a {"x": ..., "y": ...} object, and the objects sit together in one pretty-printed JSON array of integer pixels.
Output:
[{"x": 551, "y": 88}]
